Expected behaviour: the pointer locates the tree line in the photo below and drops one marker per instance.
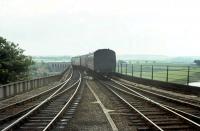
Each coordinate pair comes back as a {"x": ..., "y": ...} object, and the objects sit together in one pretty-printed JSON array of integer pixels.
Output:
[{"x": 14, "y": 65}]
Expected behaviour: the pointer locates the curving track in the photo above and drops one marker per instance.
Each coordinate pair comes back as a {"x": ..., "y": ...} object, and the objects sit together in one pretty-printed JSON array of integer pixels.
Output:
[
  {"x": 170, "y": 94},
  {"x": 59, "y": 100},
  {"x": 15, "y": 110},
  {"x": 186, "y": 108},
  {"x": 146, "y": 113}
]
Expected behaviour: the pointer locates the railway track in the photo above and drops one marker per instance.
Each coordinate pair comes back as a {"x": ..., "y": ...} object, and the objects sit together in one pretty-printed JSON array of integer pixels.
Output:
[
  {"x": 185, "y": 108},
  {"x": 179, "y": 97},
  {"x": 48, "y": 112},
  {"x": 146, "y": 114},
  {"x": 17, "y": 109},
  {"x": 66, "y": 115}
]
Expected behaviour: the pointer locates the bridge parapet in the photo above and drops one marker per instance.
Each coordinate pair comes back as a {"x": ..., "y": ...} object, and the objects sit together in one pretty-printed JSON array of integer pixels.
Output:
[
  {"x": 58, "y": 66},
  {"x": 15, "y": 88}
]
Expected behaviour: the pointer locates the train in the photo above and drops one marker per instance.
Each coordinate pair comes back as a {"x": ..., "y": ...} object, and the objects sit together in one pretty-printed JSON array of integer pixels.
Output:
[{"x": 100, "y": 61}]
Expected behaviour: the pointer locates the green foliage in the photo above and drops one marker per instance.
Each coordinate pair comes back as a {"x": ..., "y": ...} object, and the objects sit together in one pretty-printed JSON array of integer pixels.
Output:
[{"x": 14, "y": 65}]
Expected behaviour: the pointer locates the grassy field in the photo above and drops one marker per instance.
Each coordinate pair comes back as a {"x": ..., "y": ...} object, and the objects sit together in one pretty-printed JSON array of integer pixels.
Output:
[{"x": 174, "y": 73}]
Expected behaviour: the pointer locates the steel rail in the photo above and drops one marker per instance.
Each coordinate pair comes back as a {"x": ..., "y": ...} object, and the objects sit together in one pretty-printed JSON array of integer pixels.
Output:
[
  {"x": 64, "y": 107},
  {"x": 158, "y": 104},
  {"x": 135, "y": 109},
  {"x": 12, "y": 125},
  {"x": 30, "y": 99},
  {"x": 184, "y": 99},
  {"x": 66, "y": 72},
  {"x": 26, "y": 110},
  {"x": 166, "y": 97},
  {"x": 196, "y": 118},
  {"x": 55, "y": 95}
]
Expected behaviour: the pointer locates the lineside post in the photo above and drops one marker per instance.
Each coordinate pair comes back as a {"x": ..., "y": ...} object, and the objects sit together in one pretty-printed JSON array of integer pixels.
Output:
[
  {"x": 152, "y": 72},
  {"x": 126, "y": 69},
  {"x": 188, "y": 76},
  {"x": 121, "y": 68},
  {"x": 132, "y": 71},
  {"x": 140, "y": 71},
  {"x": 118, "y": 67},
  {"x": 167, "y": 77}
]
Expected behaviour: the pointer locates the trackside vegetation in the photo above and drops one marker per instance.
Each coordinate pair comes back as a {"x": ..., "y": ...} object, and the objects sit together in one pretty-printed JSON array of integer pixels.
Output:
[{"x": 14, "y": 65}]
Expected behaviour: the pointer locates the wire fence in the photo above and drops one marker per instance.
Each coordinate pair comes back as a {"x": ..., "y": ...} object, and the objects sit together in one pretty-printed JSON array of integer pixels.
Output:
[{"x": 174, "y": 74}]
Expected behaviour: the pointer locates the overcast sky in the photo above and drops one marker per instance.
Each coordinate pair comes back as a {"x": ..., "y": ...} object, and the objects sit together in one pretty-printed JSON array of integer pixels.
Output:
[{"x": 73, "y": 27}]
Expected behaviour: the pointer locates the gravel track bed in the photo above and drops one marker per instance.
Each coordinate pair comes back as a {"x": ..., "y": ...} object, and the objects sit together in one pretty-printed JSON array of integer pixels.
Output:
[
  {"x": 89, "y": 115},
  {"x": 110, "y": 102}
]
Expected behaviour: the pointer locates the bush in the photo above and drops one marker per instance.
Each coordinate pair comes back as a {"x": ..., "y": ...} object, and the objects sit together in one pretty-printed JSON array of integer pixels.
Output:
[{"x": 14, "y": 65}]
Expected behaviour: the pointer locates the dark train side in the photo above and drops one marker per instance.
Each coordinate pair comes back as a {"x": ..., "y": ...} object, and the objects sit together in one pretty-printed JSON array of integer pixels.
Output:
[{"x": 101, "y": 61}]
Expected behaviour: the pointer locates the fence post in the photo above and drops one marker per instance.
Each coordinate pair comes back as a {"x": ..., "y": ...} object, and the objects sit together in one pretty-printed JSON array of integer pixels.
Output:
[
  {"x": 140, "y": 71},
  {"x": 121, "y": 68},
  {"x": 126, "y": 69},
  {"x": 132, "y": 71},
  {"x": 118, "y": 67},
  {"x": 188, "y": 76},
  {"x": 152, "y": 72},
  {"x": 167, "y": 77}
]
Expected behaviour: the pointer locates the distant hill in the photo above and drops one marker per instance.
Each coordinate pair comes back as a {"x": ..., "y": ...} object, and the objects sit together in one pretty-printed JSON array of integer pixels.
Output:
[
  {"x": 186, "y": 59},
  {"x": 142, "y": 57},
  {"x": 160, "y": 58}
]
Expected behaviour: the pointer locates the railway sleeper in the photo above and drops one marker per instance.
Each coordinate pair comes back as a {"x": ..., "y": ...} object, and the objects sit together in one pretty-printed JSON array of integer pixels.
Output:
[
  {"x": 144, "y": 128},
  {"x": 176, "y": 127}
]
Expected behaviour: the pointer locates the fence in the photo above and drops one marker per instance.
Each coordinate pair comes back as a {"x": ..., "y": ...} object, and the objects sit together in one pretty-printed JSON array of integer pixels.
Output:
[{"x": 174, "y": 74}]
